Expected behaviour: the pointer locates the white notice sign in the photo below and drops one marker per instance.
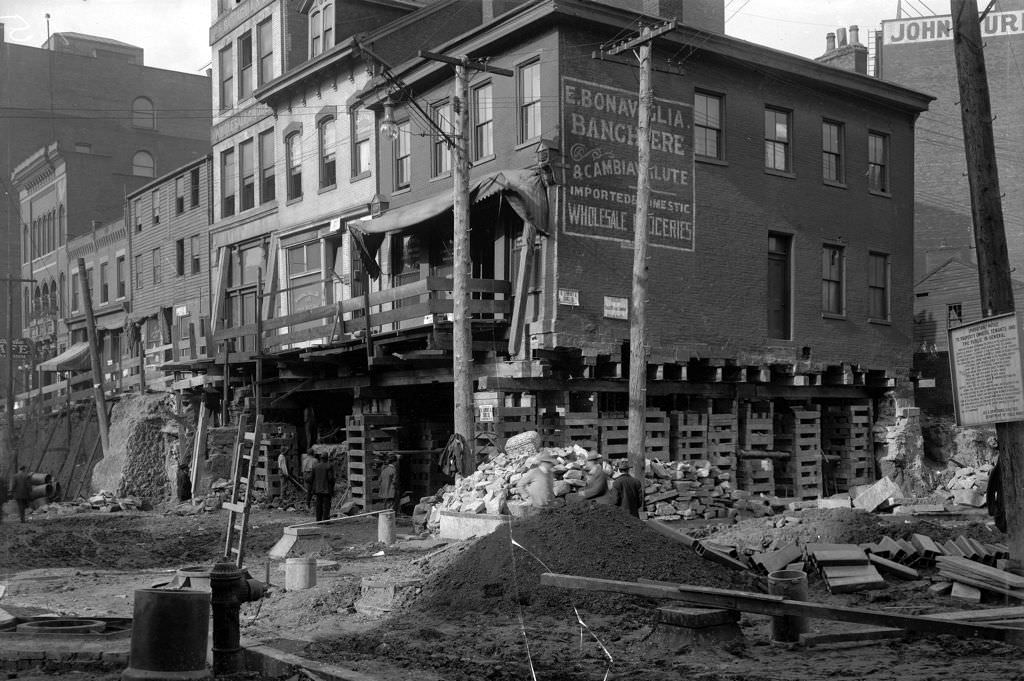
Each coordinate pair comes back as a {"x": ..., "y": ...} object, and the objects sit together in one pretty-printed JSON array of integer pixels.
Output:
[
  {"x": 616, "y": 308},
  {"x": 986, "y": 365}
]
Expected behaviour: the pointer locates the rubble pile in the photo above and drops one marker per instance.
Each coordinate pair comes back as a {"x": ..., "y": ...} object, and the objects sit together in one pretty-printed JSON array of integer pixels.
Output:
[
  {"x": 969, "y": 485},
  {"x": 696, "y": 489}
]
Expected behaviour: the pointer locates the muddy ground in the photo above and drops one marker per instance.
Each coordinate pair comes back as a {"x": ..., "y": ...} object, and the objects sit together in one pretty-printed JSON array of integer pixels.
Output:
[{"x": 475, "y": 610}]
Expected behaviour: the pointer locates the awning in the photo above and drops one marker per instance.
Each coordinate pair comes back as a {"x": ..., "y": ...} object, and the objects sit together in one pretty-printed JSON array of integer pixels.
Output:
[
  {"x": 523, "y": 189},
  {"x": 75, "y": 358}
]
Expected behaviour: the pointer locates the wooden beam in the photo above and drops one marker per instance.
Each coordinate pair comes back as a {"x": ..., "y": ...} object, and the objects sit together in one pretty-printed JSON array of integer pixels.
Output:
[{"x": 776, "y": 605}]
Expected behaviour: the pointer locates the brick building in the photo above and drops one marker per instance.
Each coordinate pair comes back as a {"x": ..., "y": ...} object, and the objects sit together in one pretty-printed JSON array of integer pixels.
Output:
[
  {"x": 94, "y": 123},
  {"x": 780, "y": 268}
]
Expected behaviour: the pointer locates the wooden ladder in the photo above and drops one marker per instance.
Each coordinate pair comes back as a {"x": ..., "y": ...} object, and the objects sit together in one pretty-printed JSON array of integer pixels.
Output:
[{"x": 243, "y": 471}]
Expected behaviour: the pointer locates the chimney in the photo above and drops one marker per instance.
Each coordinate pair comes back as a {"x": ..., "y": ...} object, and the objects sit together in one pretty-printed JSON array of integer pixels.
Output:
[
  {"x": 840, "y": 37},
  {"x": 855, "y": 35},
  {"x": 850, "y": 56},
  {"x": 830, "y": 42}
]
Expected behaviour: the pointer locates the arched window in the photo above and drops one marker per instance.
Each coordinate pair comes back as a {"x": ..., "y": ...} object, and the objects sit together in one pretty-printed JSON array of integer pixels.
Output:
[
  {"x": 37, "y": 302},
  {"x": 62, "y": 296},
  {"x": 25, "y": 308},
  {"x": 26, "y": 243},
  {"x": 142, "y": 164},
  {"x": 53, "y": 297},
  {"x": 142, "y": 113},
  {"x": 293, "y": 159},
  {"x": 326, "y": 142},
  {"x": 61, "y": 233},
  {"x": 44, "y": 300}
]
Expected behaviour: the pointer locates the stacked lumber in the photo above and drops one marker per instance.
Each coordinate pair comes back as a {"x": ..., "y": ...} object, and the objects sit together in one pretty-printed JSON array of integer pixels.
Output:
[
  {"x": 970, "y": 573},
  {"x": 757, "y": 426},
  {"x": 798, "y": 432},
  {"x": 846, "y": 443},
  {"x": 844, "y": 567},
  {"x": 722, "y": 440},
  {"x": 572, "y": 428},
  {"x": 755, "y": 475},
  {"x": 688, "y": 435}
]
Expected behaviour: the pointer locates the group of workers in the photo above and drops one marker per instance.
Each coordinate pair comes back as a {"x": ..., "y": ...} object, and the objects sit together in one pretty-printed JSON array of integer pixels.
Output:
[{"x": 622, "y": 490}]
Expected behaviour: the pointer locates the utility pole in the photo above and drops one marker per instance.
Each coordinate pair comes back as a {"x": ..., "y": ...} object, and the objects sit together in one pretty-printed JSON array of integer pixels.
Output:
[
  {"x": 462, "y": 331},
  {"x": 94, "y": 357},
  {"x": 994, "y": 280},
  {"x": 12, "y": 451},
  {"x": 636, "y": 435}
]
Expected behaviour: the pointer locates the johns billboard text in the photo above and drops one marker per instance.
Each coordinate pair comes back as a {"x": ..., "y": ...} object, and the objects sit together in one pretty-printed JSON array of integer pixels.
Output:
[{"x": 601, "y": 133}]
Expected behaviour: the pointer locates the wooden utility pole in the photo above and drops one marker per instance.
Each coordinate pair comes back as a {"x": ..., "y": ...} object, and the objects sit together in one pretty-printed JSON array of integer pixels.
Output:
[
  {"x": 94, "y": 357},
  {"x": 638, "y": 301},
  {"x": 12, "y": 451},
  {"x": 462, "y": 331},
  {"x": 994, "y": 280}
]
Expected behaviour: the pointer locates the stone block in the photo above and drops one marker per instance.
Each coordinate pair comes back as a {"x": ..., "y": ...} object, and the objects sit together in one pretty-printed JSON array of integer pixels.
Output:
[
  {"x": 878, "y": 495},
  {"x": 969, "y": 497}
]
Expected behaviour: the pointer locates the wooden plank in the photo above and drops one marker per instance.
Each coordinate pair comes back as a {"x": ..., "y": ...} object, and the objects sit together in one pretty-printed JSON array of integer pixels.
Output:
[
  {"x": 840, "y": 557},
  {"x": 863, "y": 634},
  {"x": 894, "y": 568},
  {"x": 1005, "y": 579},
  {"x": 671, "y": 533},
  {"x": 775, "y": 605},
  {"x": 993, "y": 614}
]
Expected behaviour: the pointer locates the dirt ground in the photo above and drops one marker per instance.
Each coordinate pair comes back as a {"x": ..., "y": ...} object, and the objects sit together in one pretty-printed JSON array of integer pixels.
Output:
[{"x": 475, "y": 610}]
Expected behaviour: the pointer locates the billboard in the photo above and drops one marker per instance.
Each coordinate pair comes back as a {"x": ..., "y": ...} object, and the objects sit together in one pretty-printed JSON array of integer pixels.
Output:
[
  {"x": 600, "y": 133},
  {"x": 928, "y": 29}
]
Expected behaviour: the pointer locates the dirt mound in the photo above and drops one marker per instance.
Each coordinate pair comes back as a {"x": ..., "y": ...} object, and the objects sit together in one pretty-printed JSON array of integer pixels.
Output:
[{"x": 587, "y": 540}]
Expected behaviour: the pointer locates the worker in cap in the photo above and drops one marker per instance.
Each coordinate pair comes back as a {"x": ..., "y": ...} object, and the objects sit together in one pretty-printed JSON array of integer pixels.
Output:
[
  {"x": 627, "y": 491},
  {"x": 388, "y": 479},
  {"x": 537, "y": 486},
  {"x": 596, "y": 490}
]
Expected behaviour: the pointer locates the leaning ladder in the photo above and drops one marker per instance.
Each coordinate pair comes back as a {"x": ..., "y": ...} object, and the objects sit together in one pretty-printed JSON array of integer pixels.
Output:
[{"x": 243, "y": 470}]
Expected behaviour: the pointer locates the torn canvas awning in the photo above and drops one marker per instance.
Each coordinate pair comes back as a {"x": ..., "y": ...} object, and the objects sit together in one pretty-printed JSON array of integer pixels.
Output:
[
  {"x": 75, "y": 358},
  {"x": 523, "y": 189}
]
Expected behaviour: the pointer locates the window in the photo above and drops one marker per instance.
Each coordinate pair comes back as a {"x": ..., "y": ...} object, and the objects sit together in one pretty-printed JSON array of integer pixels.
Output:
[
  {"x": 142, "y": 164},
  {"x": 265, "y": 51},
  {"x": 138, "y": 272},
  {"x": 528, "y": 91},
  {"x": 707, "y": 125},
  {"x": 403, "y": 159},
  {"x": 361, "y": 124},
  {"x": 119, "y": 273},
  {"x": 83, "y": 147},
  {"x": 74, "y": 291},
  {"x": 832, "y": 277},
  {"x": 878, "y": 162},
  {"x": 878, "y": 286},
  {"x": 227, "y": 182},
  {"x": 137, "y": 214},
  {"x": 142, "y": 113},
  {"x": 183, "y": 327},
  {"x": 327, "y": 148},
  {"x": 245, "y": 66},
  {"x": 157, "y": 278},
  {"x": 196, "y": 253},
  {"x": 194, "y": 187},
  {"x": 104, "y": 284},
  {"x": 776, "y": 140},
  {"x": 483, "y": 121},
  {"x": 179, "y": 257},
  {"x": 227, "y": 84},
  {"x": 293, "y": 159},
  {"x": 61, "y": 232},
  {"x": 954, "y": 314},
  {"x": 267, "y": 164},
  {"x": 316, "y": 26},
  {"x": 440, "y": 154},
  {"x": 154, "y": 199},
  {"x": 179, "y": 195},
  {"x": 305, "y": 289},
  {"x": 832, "y": 152},
  {"x": 88, "y": 281},
  {"x": 328, "y": 26},
  {"x": 247, "y": 170},
  {"x": 779, "y": 295}
]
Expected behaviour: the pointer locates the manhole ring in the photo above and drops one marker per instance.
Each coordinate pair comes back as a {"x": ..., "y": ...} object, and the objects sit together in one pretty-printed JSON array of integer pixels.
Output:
[{"x": 62, "y": 626}]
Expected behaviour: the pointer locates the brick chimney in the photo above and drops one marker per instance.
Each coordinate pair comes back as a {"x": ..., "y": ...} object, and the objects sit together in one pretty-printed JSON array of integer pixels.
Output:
[
  {"x": 706, "y": 15},
  {"x": 841, "y": 54}
]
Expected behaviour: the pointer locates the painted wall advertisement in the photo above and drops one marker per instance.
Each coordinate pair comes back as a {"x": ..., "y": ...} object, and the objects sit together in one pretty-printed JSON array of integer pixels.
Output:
[
  {"x": 928, "y": 29},
  {"x": 600, "y": 132},
  {"x": 985, "y": 363}
]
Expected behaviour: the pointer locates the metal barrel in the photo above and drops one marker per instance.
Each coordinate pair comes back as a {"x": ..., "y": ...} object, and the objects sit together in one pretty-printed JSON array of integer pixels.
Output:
[{"x": 170, "y": 636}]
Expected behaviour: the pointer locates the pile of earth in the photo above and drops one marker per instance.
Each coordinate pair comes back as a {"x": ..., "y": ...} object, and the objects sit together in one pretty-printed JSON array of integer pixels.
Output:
[{"x": 502, "y": 570}]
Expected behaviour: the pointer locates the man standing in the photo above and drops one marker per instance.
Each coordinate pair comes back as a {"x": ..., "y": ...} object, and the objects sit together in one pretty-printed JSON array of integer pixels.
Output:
[
  {"x": 21, "y": 490},
  {"x": 628, "y": 491},
  {"x": 321, "y": 484},
  {"x": 389, "y": 484},
  {"x": 308, "y": 461},
  {"x": 596, "y": 489},
  {"x": 537, "y": 486}
]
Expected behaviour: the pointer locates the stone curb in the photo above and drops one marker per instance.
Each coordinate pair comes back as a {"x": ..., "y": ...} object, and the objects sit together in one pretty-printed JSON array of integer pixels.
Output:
[{"x": 273, "y": 662}]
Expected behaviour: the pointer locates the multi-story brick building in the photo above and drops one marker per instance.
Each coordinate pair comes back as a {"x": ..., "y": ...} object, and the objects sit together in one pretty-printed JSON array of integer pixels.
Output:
[
  {"x": 94, "y": 123},
  {"x": 781, "y": 230}
]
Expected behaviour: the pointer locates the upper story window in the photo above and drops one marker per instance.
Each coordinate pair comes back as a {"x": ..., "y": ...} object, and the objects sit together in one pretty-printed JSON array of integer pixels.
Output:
[
  {"x": 143, "y": 165},
  {"x": 194, "y": 249},
  {"x": 440, "y": 154},
  {"x": 402, "y": 156},
  {"x": 227, "y": 182},
  {"x": 878, "y": 162},
  {"x": 268, "y": 177},
  {"x": 227, "y": 81},
  {"x": 179, "y": 194},
  {"x": 483, "y": 121},
  {"x": 878, "y": 286},
  {"x": 832, "y": 142},
  {"x": 194, "y": 187},
  {"x": 137, "y": 214},
  {"x": 321, "y": 28},
  {"x": 104, "y": 284},
  {"x": 142, "y": 113},
  {"x": 119, "y": 273},
  {"x": 293, "y": 159},
  {"x": 707, "y": 125},
  {"x": 362, "y": 153},
  {"x": 327, "y": 150},
  {"x": 247, "y": 173},
  {"x": 264, "y": 52},
  {"x": 157, "y": 265},
  {"x": 833, "y": 280},
  {"x": 777, "y": 141},
  {"x": 154, "y": 199},
  {"x": 138, "y": 271},
  {"x": 528, "y": 97},
  {"x": 954, "y": 314},
  {"x": 245, "y": 66}
]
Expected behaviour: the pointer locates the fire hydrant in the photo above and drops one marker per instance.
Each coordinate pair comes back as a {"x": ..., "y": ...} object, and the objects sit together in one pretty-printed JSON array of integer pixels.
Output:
[{"x": 230, "y": 587}]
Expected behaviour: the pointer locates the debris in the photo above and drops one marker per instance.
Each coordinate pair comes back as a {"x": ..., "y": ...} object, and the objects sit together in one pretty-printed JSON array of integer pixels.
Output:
[
  {"x": 893, "y": 568},
  {"x": 964, "y": 592},
  {"x": 844, "y": 568},
  {"x": 877, "y": 496}
]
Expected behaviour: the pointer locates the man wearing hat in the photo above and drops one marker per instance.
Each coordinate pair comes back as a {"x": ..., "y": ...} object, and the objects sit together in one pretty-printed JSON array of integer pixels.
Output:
[
  {"x": 389, "y": 484},
  {"x": 627, "y": 490},
  {"x": 596, "y": 489},
  {"x": 537, "y": 485}
]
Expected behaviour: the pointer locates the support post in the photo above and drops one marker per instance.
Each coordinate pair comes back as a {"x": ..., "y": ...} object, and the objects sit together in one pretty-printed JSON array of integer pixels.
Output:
[
  {"x": 462, "y": 334},
  {"x": 94, "y": 358},
  {"x": 994, "y": 280}
]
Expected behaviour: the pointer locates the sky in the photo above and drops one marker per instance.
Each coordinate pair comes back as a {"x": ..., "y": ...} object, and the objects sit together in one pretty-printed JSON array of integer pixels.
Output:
[{"x": 175, "y": 33}]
